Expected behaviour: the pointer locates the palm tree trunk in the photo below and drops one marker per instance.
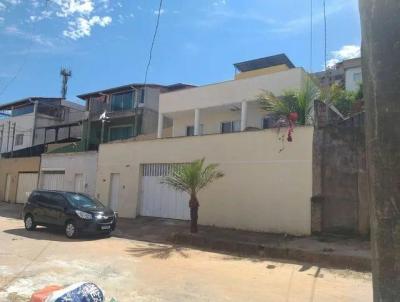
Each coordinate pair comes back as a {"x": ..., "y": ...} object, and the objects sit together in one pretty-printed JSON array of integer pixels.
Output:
[{"x": 194, "y": 213}]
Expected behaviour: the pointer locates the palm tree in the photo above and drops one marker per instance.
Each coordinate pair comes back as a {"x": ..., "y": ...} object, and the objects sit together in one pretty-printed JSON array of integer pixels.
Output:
[
  {"x": 292, "y": 101},
  {"x": 191, "y": 178}
]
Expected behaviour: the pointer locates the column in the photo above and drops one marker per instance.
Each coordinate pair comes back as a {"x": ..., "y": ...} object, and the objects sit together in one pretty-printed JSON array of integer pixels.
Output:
[
  {"x": 196, "y": 121},
  {"x": 243, "y": 117},
  {"x": 160, "y": 125}
]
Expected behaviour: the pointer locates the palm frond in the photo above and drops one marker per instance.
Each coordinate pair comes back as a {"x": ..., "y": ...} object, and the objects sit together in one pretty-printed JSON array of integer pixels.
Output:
[{"x": 192, "y": 177}]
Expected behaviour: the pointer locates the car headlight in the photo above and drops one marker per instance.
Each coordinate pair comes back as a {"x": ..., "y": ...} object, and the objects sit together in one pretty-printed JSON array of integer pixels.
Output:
[{"x": 83, "y": 215}]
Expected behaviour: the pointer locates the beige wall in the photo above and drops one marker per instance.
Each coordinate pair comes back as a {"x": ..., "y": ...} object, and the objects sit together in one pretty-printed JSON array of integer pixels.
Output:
[
  {"x": 264, "y": 188},
  {"x": 231, "y": 92},
  {"x": 73, "y": 163},
  {"x": 211, "y": 119},
  {"x": 13, "y": 166},
  {"x": 261, "y": 71}
]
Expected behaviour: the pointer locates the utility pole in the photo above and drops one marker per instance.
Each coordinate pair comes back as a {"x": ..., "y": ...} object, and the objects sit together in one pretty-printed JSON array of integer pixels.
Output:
[
  {"x": 65, "y": 74},
  {"x": 380, "y": 25},
  {"x": 12, "y": 141}
]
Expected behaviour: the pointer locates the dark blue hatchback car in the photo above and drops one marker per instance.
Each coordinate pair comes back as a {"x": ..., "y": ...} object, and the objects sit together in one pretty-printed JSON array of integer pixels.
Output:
[{"x": 75, "y": 212}]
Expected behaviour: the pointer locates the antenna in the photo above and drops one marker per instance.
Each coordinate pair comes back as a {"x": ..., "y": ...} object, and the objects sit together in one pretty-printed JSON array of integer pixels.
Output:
[{"x": 65, "y": 74}]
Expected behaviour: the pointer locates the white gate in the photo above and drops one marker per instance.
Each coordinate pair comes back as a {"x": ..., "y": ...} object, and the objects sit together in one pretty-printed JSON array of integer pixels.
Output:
[
  {"x": 52, "y": 180},
  {"x": 8, "y": 188},
  {"x": 27, "y": 182},
  {"x": 79, "y": 185},
  {"x": 160, "y": 200}
]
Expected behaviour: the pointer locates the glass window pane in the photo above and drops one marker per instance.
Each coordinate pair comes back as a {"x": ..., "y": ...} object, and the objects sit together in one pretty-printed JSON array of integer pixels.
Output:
[{"x": 120, "y": 133}]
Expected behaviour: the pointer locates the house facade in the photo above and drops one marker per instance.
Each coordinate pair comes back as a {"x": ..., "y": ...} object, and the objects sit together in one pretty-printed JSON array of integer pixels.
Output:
[
  {"x": 74, "y": 172},
  {"x": 123, "y": 112},
  {"x": 347, "y": 74},
  {"x": 268, "y": 181},
  {"x": 229, "y": 106},
  {"x": 18, "y": 177},
  {"x": 266, "y": 187},
  {"x": 37, "y": 121}
]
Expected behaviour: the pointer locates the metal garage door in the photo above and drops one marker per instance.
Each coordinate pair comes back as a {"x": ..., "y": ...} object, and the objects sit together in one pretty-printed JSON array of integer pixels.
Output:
[
  {"x": 52, "y": 180},
  {"x": 159, "y": 200},
  {"x": 27, "y": 182}
]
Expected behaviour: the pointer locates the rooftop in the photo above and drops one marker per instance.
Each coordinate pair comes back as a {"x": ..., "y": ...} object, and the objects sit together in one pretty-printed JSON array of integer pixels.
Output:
[
  {"x": 164, "y": 88},
  {"x": 279, "y": 59},
  {"x": 26, "y": 101}
]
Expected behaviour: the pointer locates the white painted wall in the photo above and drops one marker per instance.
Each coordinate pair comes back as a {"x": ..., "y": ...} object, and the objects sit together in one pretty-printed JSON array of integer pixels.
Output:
[
  {"x": 231, "y": 92},
  {"x": 24, "y": 125},
  {"x": 350, "y": 82},
  {"x": 73, "y": 163},
  {"x": 264, "y": 188},
  {"x": 212, "y": 119}
]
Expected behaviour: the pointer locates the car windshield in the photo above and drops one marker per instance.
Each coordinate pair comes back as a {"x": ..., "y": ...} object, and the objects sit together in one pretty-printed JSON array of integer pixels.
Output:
[{"x": 83, "y": 201}]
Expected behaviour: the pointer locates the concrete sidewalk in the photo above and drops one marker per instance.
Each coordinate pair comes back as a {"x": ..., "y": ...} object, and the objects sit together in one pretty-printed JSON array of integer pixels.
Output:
[{"x": 327, "y": 251}]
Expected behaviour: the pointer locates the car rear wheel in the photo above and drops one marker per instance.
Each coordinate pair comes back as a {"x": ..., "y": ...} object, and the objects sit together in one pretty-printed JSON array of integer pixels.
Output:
[
  {"x": 29, "y": 223},
  {"x": 70, "y": 229}
]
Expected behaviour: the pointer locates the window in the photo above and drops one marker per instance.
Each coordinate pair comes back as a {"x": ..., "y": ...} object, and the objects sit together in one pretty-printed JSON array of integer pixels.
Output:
[
  {"x": 57, "y": 200},
  {"x": 117, "y": 133},
  {"x": 357, "y": 77},
  {"x": 122, "y": 101},
  {"x": 190, "y": 130},
  {"x": 229, "y": 127},
  {"x": 141, "y": 97},
  {"x": 19, "y": 139},
  {"x": 79, "y": 200}
]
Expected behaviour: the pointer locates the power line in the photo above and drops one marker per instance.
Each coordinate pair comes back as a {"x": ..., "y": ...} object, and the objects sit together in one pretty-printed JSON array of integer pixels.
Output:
[
  {"x": 153, "y": 42},
  {"x": 21, "y": 67}
]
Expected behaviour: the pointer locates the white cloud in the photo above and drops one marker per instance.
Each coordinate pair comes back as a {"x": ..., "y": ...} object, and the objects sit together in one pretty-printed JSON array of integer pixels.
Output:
[
  {"x": 71, "y": 7},
  {"x": 162, "y": 11},
  {"x": 38, "y": 39},
  {"x": 82, "y": 27},
  {"x": 219, "y": 2},
  {"x": 2, "y": 6},
  {"x": 345, "y": 53}
]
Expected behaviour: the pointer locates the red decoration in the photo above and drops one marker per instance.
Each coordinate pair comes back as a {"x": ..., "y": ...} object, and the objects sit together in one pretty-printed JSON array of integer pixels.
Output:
[{"x": 292, "y": 117}]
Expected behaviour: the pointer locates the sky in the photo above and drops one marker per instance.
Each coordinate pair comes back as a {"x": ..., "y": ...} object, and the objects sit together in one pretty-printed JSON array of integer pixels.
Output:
[{"x": 106, "y": 43}]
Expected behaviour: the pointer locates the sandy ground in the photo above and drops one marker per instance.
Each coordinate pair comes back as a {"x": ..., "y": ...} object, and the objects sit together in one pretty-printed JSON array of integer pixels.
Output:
[{"x": 132, "y": 270}]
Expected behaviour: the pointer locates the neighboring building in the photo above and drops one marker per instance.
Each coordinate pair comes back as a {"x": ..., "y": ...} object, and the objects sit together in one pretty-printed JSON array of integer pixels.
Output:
[
  {"x": 69, "y": 172},
  {"x": 347, "y": 74},
  {"x": 267, "y": 184},
  {"x": 127, "y": 111},
  {"x": 18, "y": 177},
  {"x": 229, "y": 106},
  {"x": 29, "y": 124}
]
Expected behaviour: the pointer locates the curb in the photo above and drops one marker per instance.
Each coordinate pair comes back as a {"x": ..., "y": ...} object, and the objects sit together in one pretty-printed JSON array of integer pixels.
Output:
[{"x": 278, "y": 251}]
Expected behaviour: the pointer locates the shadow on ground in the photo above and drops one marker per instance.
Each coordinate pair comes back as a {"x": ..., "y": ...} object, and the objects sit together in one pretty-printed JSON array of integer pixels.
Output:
[
  {"x": 50, "y": 234},
  {"x": 158, "y": 251}
]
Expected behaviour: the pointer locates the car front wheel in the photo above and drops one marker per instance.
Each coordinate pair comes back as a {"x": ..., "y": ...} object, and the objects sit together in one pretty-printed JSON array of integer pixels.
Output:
[
  {"x": 70, "y": 229},
  {"x": 29, "y": 223}
]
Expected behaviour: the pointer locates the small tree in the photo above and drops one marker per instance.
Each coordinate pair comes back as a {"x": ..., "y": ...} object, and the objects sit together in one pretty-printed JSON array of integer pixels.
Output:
[
  {"x": 343, "y": 100},
  {"x": 191, "y": 178},
  {"x": 292, "y": 101}
]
